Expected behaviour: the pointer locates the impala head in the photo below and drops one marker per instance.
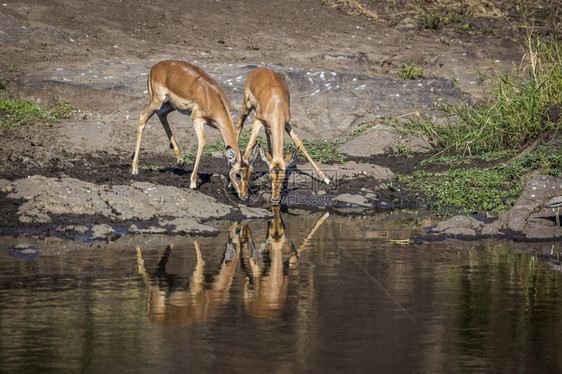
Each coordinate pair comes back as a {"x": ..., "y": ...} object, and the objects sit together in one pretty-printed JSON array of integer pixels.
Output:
[
  {"x": 277, "y": 172},
  {"x": 240, "y": 171},
  {"x": 275, "y": 227}
]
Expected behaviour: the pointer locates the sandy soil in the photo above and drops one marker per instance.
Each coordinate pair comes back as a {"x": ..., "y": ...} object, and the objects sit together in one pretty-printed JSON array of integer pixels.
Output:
[{"x": 39, "y": 39}]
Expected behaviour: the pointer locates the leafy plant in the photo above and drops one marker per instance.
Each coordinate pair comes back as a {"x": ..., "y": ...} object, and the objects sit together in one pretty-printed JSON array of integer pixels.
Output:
[
  {"x": 475, "y": 190},
  {"x": 409, "y": 71},
  {"x": 16, "y": 112},
  {"x": 403, "y": 150}
]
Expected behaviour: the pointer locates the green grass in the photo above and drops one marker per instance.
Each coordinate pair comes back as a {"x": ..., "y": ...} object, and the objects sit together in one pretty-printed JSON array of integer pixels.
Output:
[
  {"x": 324, "y": 152},
  {"x": 459, "y": 159},
  {"x": 476, "y": 190},
  {"x": 436, "y": 18},
  {"x": 512, "y": 115},
  {"x": 409, "y": 71},
  {"x": 190, "y": 154},
  {"x": 16, "y": 112}
]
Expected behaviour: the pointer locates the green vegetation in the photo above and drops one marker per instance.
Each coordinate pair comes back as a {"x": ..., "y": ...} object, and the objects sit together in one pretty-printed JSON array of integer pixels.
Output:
[
  {"x": 475, "y": 190},
  {"x": 409, "y": 71},
  {"x": 435, "y": 19},
  {"x": 459, "y": 159},
  {"x": 16, "y": 112},
  {"x": 209, "y": 149},
  {"x": 403, "y": 150},
  {"x": 513, "y": 115},
  {"x": 151, "y": 167},
  {"x": 324, "y": 152},
  {"x": 13, "y": 68}
]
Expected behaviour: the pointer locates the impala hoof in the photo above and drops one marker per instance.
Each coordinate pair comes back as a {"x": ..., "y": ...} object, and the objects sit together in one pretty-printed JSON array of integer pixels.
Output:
[
  {"x": 193, "y": 186},
  {"x": 134, "y": 172},
  {"x": 327, "y": 181}
]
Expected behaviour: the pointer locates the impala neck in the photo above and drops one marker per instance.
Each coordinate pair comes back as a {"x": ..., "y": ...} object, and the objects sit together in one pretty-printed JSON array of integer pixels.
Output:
[
  {"x": 228, "y": 133},
  {"x": 276, "y": 130}
]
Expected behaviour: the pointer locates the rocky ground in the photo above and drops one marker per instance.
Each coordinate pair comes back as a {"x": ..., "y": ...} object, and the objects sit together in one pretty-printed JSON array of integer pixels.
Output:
[{"x": 73, "y": 177}]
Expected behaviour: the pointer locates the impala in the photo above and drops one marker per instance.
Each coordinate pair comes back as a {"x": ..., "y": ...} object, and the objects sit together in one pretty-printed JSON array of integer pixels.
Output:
[
  {"x": 266, "y": 93},
  {"x": 186, "y": 301},
  {"x": 178, "y": 85}
]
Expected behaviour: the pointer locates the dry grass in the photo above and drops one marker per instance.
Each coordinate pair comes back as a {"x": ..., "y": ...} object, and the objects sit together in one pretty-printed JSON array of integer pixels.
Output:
[
  {"x": 394, "y": 10},
  {"x": 353, "y": 8},
  {"x": 479, "y": 8}
]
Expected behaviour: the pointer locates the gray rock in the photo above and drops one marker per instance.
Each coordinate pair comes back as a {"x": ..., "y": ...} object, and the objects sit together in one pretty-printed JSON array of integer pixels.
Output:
[
  {"x": 47, "y": 197},
  {"x": 458, "y": 226},
  {"x": 353, "y": 200},
  {"x": 382, "y": 139}
]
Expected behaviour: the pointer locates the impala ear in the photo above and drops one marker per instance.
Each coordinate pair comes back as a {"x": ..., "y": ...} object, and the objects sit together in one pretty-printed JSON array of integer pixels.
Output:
[
  {"x": 266, "y": 156},
  {"x": 254, "y": 156},
  {"x": 231, "y": 155},
  {"x": 291, "y": 158}
]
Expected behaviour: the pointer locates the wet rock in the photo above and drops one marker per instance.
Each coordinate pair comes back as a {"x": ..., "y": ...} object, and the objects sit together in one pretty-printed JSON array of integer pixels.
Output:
[
  {"x": 188, "y": 226},
  {"x": 24, "y": 251},
  {"x": 174, "y": 209},
  {"x": 459, "y": 226},
  {"x": 251, "y": 213},
  {"x": 101, "y": 231},
  {"x": 355, "y": 200}
]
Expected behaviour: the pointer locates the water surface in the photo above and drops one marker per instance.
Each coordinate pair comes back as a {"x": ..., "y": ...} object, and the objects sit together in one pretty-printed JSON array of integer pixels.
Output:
[{"x": 312, "y": 293}]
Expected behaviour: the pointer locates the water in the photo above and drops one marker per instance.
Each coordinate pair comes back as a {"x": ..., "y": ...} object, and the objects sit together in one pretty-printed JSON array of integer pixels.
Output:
[{"x": 337, "y": 296}]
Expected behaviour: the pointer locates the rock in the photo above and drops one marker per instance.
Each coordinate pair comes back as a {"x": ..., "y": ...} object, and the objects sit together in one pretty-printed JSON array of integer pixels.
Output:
[
  {"x": 382, "y": 139},
  {"x": 254, "y": 213},
  {"x": 352, "y": 169},
  {"x": 458, "y": 226},
  {"x": 353, "y": 200},
  {"x": 6, "y": 185},
  {"x": 530, "y": 212},
  {"x": 407, "y": 24},
  {"x": 174, "y": 209},
  {"x": 101, "y": 231}
]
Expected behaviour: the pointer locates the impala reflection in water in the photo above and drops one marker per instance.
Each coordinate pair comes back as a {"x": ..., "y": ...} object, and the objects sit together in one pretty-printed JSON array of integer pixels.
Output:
[{"x": 174, "y": 301}]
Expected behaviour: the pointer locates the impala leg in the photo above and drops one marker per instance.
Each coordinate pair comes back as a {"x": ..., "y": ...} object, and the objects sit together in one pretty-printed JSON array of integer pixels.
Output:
[
  {"x": 245, "y": 112},
  {"x": 163, "y": 116},
  {"x": 198, "y": 123},
  {"x": 299, "y": 144},
  {"x": 144, "y": 117},
  {"x": 253, "y": 137},
  {"x": 240, "y": 124},
  {"x": 268, "y": 137},
  {"x": 197, "y": 277}
]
